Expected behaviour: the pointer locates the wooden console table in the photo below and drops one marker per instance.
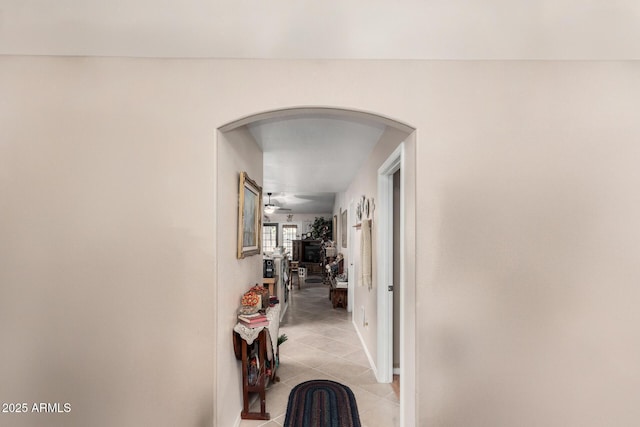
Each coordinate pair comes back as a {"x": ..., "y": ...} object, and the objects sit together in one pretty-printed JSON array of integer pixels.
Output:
[
  {"x": 262, "y": 346},
  {"x": 338, "y": 296}
]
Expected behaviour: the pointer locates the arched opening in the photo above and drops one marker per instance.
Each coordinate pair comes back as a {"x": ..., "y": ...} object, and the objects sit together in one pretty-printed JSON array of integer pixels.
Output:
[{"x": 266, "y": 145}]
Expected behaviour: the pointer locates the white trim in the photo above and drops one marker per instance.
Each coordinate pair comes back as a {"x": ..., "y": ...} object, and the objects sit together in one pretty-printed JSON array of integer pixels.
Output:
[
  {"x": 408, "y": 345},
  {"x": 366, "y": 350},
  {"x": 214, "y": 289},
  {"x": 397, "y": 371},
  {"x": 352, "y": 278},
  {"x": 283, "y": 113},
  {"x": 384, "y": 220}
]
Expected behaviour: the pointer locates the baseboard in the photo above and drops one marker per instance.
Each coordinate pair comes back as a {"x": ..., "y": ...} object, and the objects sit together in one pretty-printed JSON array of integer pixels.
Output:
[{"x": 366, "y": 350}]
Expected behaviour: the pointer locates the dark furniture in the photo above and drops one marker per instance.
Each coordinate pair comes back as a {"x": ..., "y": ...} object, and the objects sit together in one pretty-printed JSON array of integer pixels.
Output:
[
  {"x": 338, "y": 296},
  {"x": 308, "y": 253},
  {"x": 266, "y": 374}
]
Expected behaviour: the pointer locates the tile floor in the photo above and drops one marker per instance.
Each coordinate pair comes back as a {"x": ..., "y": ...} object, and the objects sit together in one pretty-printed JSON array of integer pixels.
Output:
[{"x": 323, "y": 344}]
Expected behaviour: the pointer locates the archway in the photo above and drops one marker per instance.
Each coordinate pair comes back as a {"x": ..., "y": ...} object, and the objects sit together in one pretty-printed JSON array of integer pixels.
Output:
[{"x": 233, "y": 150}]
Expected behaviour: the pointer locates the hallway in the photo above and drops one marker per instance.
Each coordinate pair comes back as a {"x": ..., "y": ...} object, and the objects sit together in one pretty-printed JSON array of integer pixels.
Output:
[{"x": 323, "y": 344}]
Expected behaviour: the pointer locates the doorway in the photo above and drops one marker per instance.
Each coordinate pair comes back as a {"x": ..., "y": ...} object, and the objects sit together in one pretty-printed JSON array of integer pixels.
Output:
[
  {"x": 230, "y": 137},
  {"x": 395, "y": 350}
]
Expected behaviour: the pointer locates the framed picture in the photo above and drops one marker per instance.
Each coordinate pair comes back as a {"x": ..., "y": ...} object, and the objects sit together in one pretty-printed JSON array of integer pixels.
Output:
[
  {"x": 343, "y": 228},
  {"x": 249, "y": 217}
]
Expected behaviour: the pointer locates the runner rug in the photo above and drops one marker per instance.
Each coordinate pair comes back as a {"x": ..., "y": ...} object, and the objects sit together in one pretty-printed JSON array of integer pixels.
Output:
[{"x": 322, "y": 403}]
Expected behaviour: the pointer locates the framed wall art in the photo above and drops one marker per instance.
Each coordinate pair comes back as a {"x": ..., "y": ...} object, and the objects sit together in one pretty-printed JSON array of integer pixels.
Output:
[{"x": 249, "y": 217}]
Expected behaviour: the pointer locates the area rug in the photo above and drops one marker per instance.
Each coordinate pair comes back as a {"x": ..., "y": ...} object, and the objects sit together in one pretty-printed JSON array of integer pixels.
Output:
[
  {"x": 322, "y": 403},
  {"x": 313, "y": 280}
]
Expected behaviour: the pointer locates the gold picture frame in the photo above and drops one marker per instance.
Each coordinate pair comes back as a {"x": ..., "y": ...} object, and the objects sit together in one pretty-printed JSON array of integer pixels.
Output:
[{"x": 249, "y": 217}]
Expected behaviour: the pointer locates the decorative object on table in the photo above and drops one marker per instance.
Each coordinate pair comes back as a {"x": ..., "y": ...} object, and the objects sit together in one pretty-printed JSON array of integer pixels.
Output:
[
  {"x": 252, "y": 316},
  {"x": 255, "y": 320},
  {"x": 248, "y": 309},
  {"x": 249, "y": 334},
  {"x": 321, "y": 403},
  {"x": 252, "y": 298},
  {"x": 343, "y": 227},
  {"x": 264, "y": 294},
  {"x": 249, "y": 217}
]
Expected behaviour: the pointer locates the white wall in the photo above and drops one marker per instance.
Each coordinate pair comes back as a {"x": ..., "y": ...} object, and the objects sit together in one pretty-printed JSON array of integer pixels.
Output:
[
  {"x": 528, "y": 248},
  {"x": 106, "y": 246},
  {"x": 237, "y": 152},
  {"x": 366, "y": 183},
  {"x": 526, "y": 240}
]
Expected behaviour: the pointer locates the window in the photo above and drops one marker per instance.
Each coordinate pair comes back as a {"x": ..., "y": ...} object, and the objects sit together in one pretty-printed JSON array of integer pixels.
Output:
[
  {"x": 288, "y": 234},
  {"x": 269, "y": 237}
]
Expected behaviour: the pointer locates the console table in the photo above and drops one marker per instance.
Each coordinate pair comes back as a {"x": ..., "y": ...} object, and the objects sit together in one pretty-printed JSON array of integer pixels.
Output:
[
  {"x": 262, "y": 344},
  {"x": 337, "y": 294}
]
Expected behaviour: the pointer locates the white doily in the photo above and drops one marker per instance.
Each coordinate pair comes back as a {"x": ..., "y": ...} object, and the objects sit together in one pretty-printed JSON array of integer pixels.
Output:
[{"x": 250, "y": 334}]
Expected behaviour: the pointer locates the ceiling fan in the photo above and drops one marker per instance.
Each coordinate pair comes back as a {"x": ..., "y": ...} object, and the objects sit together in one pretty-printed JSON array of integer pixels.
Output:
[{"x": 270, "y": 208}]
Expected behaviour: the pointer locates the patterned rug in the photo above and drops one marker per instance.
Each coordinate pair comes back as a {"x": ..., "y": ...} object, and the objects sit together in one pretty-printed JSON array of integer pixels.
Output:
[{"x": 322, "y": 403}]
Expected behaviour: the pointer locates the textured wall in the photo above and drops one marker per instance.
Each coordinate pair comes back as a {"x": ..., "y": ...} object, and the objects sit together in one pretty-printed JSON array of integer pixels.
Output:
[{"x": 526, "y": 242}]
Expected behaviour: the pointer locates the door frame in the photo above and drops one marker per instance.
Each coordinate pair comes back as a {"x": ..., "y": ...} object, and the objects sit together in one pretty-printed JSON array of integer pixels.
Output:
[
  {"x": 351, "y": 268},
  {"x": 408, "y": 408},
  {"x": 384, "y": 249}
]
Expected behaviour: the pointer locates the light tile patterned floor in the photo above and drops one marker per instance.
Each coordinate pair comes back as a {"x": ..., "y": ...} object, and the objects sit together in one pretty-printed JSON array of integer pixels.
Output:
[{"x": 323, "y": 344}]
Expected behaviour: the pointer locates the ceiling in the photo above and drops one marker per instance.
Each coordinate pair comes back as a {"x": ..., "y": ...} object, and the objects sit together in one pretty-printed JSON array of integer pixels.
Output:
[
  {"x": 309, "y": 158},
  {"x": 379, "y": 29}
]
